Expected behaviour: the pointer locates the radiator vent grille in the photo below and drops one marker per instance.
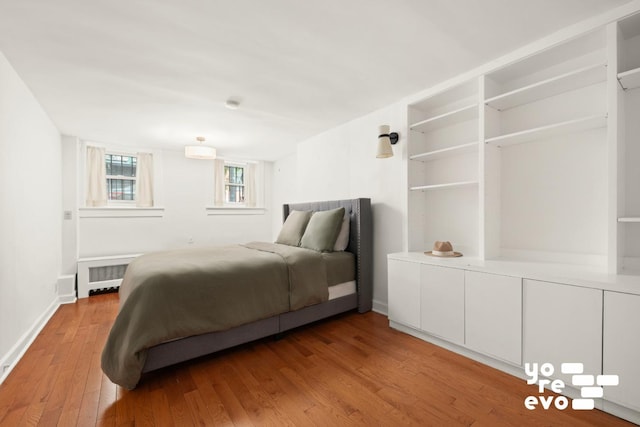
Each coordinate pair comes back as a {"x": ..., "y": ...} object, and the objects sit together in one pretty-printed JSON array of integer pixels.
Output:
[
  {"x": 111, "y": 290},
  {"x": 108, "y": 272}
]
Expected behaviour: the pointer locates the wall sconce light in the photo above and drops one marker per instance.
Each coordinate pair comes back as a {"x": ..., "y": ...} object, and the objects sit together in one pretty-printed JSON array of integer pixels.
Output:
[{"x": 385, "y": 141}]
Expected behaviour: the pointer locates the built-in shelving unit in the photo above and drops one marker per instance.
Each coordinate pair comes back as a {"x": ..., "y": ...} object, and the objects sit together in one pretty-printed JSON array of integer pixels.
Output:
[
  {"x": 544, "y": 207},
  {"x": 443, "y": 168},
  {"x": 628, "y": 203},
  {"x": 473, "y": 181},
  {"x": 548, "y": 131},
  {"x": 630, "y": 79},
  {"x": 556, "y": 102}
]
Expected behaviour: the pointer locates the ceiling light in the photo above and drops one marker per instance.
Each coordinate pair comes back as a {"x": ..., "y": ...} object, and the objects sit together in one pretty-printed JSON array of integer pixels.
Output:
[{"x": 200, "y": 151}]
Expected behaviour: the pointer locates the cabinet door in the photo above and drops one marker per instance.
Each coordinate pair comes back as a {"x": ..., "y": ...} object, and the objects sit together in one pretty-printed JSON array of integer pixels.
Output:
[
  {"x": 493, "y": 315},
  {"x": 404, "y": 292},
  {"x": 621, "y": 355},
  {"x": 442, "y": 302},
  {"x": 562, "y": 323}
]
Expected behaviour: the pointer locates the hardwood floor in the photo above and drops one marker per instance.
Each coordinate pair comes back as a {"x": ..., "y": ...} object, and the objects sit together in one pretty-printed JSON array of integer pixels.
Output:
[{"x": 350, "y": 370}]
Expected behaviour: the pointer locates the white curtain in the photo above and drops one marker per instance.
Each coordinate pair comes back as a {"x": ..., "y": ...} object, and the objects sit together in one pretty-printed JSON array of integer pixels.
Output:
[
  {"x": 96, "y": 177},
  {"x": 218, "y": 189},
  {"x": 144, "y": 180},
  {"x": 250, "y": 195}
]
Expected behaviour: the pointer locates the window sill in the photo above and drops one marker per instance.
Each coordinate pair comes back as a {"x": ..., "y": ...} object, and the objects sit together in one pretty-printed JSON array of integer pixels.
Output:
[
  {"x": 232, "y": 210},
  {"x": 121, "y": 212}
]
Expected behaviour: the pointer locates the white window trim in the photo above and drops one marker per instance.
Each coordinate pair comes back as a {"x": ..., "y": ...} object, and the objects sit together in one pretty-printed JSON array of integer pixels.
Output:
[
  {"x": 121, "y": 212},
  {"x": 234, "y": 210},
  {"x": 127, "y": 209}
]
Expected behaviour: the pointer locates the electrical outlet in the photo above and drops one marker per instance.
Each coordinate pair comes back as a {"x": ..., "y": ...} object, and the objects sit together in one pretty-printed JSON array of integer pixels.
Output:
[
  {"x": 4, "y": 368},
  {"x": 68, "y": 215},
  {"x": 190, "y": 241}
]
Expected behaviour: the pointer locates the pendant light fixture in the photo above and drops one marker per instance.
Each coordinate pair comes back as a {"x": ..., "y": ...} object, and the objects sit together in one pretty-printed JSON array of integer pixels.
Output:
[{"x": 200, "y": 151}]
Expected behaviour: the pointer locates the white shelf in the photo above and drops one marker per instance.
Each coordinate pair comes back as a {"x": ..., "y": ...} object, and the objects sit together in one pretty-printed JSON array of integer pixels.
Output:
[
  {"x": 447, "y": 119},
  {"x": 443, "y": 186},
  {"x": 630, "y": 79},
  {"x": 544, "y": 89},
  {"x": 629, "y": 219},
  {"x": 446, "y": 152},
  {"x": 569, "y": 126}
]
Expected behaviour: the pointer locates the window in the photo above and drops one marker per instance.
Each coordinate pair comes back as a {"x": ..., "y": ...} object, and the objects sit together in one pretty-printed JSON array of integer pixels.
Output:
[
  {"x": 234, "y": 184},
  {"x": 237, "y": 187},
  {"x": 121, "y": 177}
]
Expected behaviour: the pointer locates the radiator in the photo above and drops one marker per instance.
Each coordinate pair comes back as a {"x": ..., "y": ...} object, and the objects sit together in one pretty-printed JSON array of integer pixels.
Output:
[{"x": 101, "y": 273}]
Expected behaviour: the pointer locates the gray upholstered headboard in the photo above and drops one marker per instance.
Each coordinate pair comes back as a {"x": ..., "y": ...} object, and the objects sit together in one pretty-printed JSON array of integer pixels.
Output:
[{"x": 360, "y": 240}]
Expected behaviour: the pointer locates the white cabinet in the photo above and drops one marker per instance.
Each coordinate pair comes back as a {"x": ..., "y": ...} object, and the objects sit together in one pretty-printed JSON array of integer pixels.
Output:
[
  {"x": 621, "y": 354},
  {"x": 404, "y": 292},
  {"x": 442, "y": 302},
  {"x": 493, "y": 315},
  {"x": 562, "y": 324}
]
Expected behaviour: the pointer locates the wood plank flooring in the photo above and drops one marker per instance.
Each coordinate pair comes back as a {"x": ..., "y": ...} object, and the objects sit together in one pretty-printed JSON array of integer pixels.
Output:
[{"x": 350, "y": 370}]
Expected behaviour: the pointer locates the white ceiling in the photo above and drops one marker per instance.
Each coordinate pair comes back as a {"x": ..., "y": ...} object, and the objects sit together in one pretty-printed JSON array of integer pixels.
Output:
[{"x": 150, "y": 73}]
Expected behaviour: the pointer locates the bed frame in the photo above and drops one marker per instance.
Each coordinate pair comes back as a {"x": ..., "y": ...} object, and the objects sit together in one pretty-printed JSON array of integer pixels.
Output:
[{"x": 360, "y": 244}]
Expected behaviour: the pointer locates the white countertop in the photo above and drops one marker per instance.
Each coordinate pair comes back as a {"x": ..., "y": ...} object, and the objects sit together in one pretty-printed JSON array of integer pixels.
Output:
[{"x": 577, "y": 275}]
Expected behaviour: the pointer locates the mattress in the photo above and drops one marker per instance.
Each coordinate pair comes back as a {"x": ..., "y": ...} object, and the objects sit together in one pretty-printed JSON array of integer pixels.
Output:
[{"x": 342, "y": 289}]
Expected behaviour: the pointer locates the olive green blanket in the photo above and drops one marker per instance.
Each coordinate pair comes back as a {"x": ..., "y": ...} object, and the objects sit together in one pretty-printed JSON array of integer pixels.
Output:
[{"x": 181, "y": 293}]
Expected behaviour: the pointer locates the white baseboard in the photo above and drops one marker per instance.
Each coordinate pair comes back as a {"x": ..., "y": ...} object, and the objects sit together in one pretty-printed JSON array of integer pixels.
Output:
[
  {"x": 67, "y": 289},
  {"x": 9, "y": 360},
  {"x": 380, "y": 307},
  {"x": 67, "y": 299}
]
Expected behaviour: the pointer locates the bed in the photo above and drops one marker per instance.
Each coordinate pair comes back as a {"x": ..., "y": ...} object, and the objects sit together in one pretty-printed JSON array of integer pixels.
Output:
[{"x": 134, "y": 348}]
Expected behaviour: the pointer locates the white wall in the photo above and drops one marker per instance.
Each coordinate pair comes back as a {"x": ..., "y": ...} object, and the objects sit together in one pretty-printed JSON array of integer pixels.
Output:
[
  {"x": 186, "y": 188},
  {"x": 30, "y": 213},
  {"x": 341, "y": 164},
  {"x": 284, "y": 189},
  {"x": 70, "y": 156}
]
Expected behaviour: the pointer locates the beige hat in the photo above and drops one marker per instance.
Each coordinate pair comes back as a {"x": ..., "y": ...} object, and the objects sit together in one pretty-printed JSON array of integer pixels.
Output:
[{"x": 443, "y": 249}]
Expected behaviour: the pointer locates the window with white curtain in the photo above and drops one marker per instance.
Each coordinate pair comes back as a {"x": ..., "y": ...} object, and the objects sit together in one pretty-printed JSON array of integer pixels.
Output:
[
  {"x": 119, "y": 178},
  {"x": 235, "y": 183},
  {"x": 121, "y": 183}
]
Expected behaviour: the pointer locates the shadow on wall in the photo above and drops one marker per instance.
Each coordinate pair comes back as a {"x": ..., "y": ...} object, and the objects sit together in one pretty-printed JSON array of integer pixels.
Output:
[{"x": 387, "y": 238}]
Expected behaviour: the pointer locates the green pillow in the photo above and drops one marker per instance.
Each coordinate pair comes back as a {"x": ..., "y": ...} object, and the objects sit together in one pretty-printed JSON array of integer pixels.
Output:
[
  {"x": 322, "y": 230},
  {"x": 293, "y": 228}
]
